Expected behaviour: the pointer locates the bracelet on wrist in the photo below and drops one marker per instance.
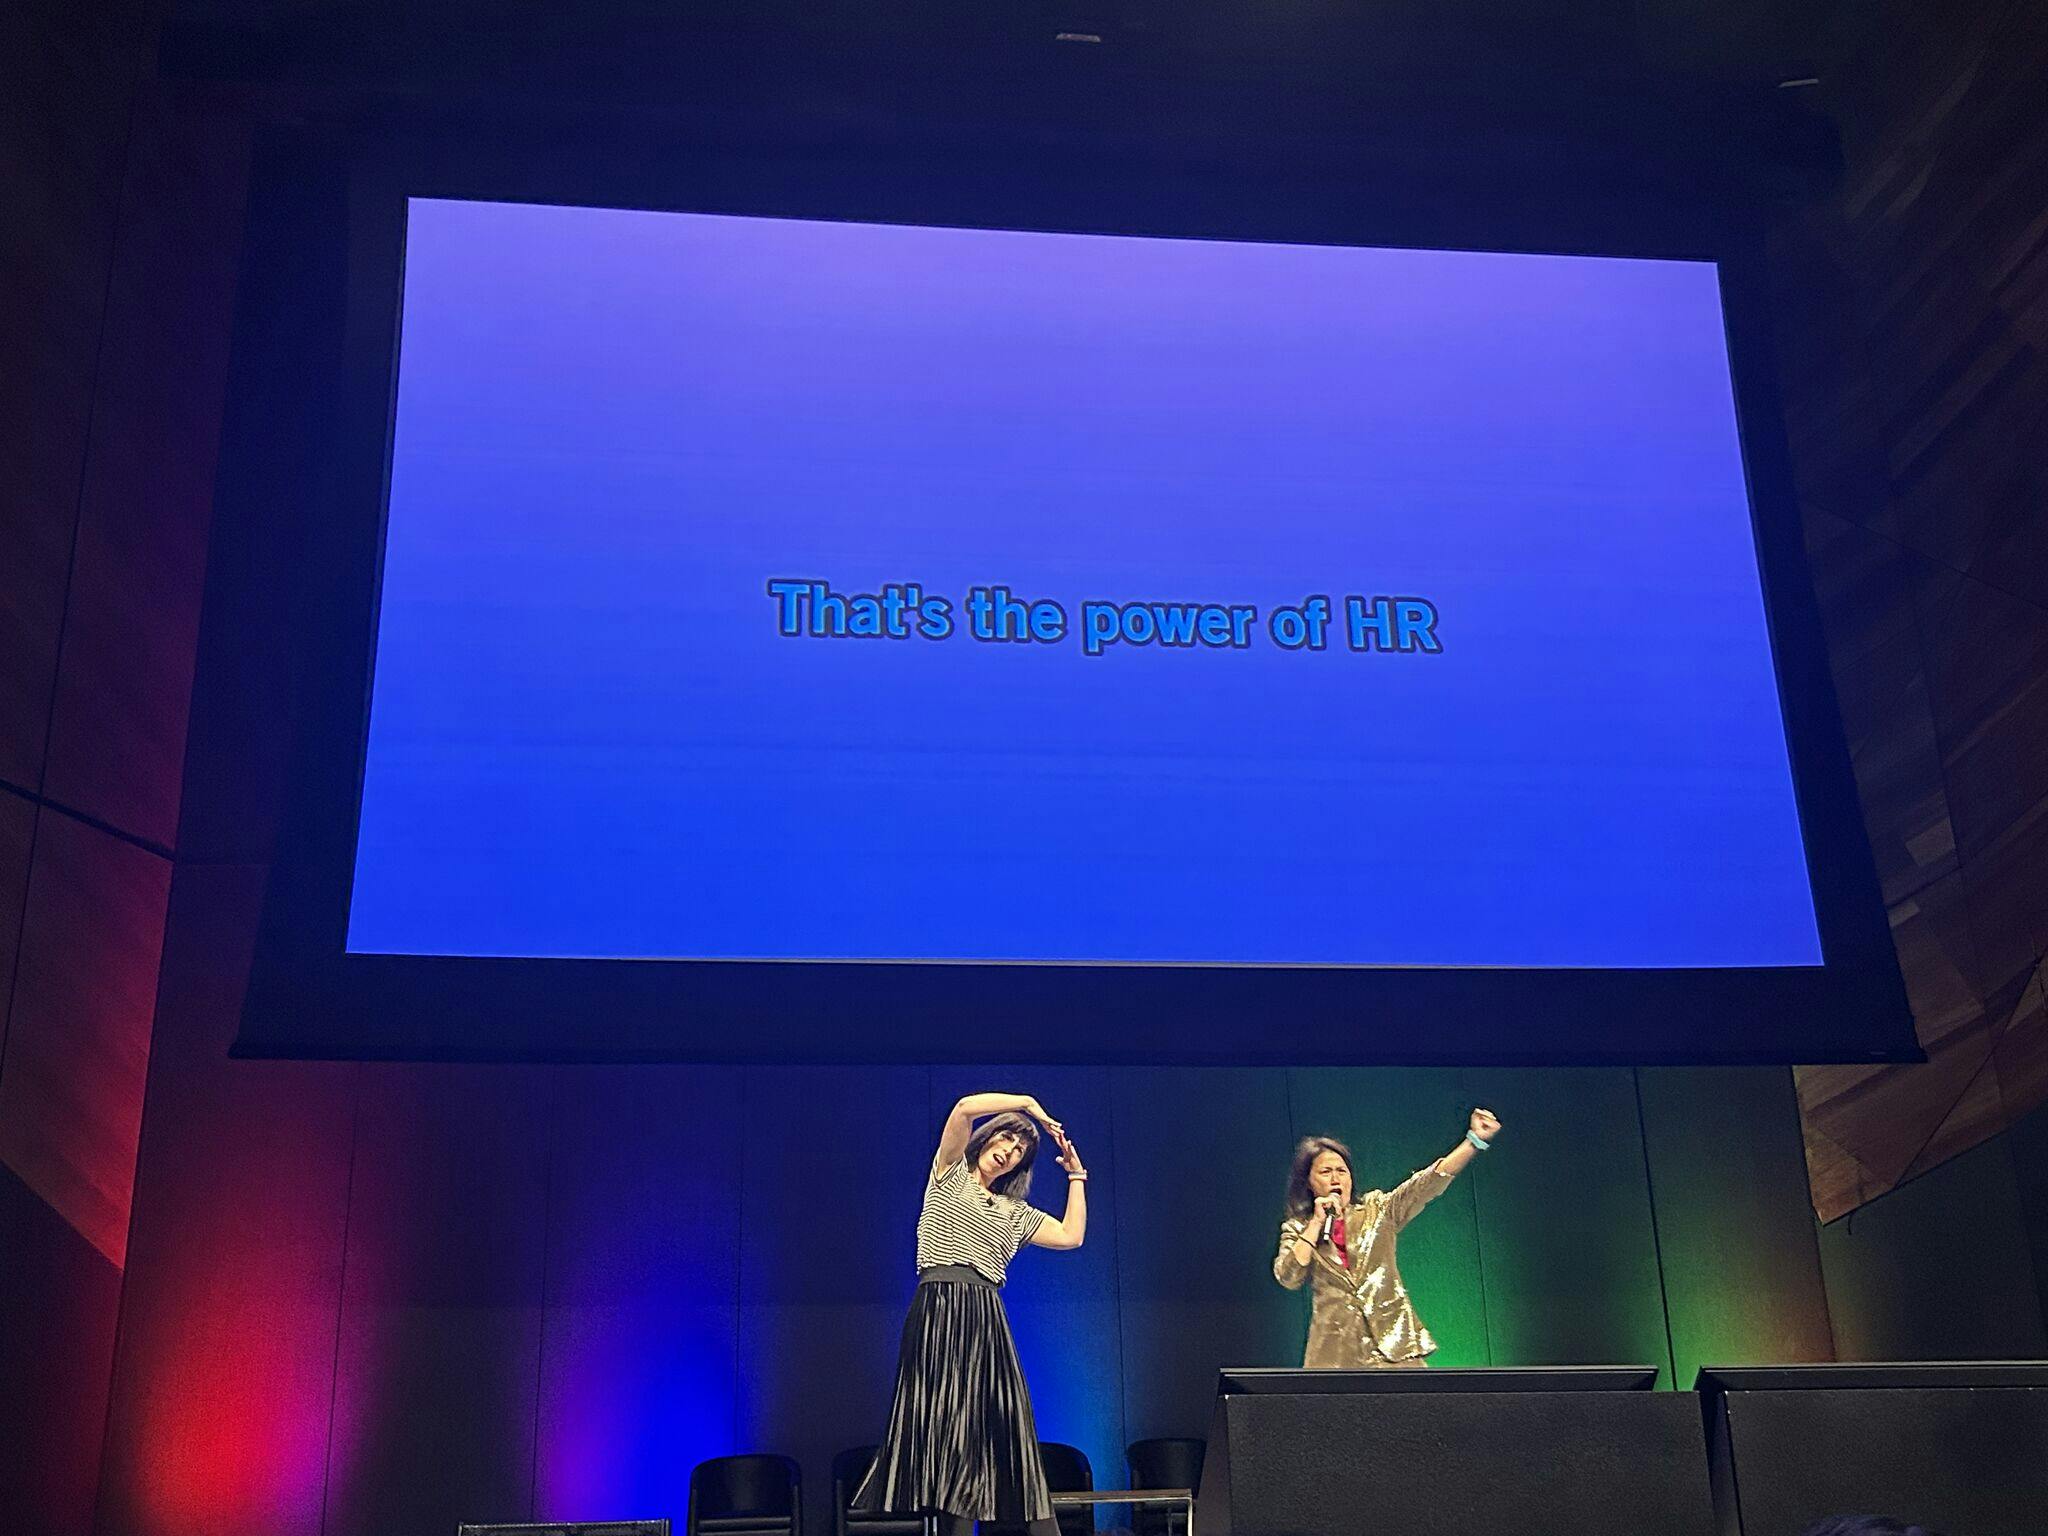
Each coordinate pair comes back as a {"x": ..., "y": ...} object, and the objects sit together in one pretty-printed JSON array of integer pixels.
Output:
[
  {"x": 1081, "y": 1175},
  {"x": 1478, "y": 1144}
]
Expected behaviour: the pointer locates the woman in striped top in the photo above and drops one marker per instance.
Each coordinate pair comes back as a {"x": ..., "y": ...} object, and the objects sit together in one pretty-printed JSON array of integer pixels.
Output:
[{"x": 961, "y": 1442}]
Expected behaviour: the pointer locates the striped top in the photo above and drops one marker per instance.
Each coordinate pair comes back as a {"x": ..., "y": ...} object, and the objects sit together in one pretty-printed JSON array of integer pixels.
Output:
[{"x": 962, "y": 1223}]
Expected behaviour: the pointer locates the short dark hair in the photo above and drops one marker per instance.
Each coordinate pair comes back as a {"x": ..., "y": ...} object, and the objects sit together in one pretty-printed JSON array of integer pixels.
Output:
[
  {"x": 1299, "y": 1201},
  {"x": 1017, "y": 1182},
  {"x": 1865, "y": 1525}
]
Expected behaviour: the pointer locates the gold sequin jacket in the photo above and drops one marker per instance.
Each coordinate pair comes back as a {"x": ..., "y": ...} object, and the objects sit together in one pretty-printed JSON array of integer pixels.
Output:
[{"x": 1361, "y": 1317}]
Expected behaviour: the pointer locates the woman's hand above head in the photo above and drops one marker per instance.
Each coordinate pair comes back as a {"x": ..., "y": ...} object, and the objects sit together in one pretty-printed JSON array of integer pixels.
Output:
[
  {"x": 1479, "y": 1133},
  {"x": 1069, "y": 1159},
  {"x": 1037, "y": 1112},
  {"x": 1069, "y": 1230}
]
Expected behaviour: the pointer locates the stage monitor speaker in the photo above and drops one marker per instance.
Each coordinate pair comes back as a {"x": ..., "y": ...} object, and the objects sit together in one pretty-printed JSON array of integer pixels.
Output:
[
  {"x": 1961, "y": 1449},
  {"x": 575, "y": 1528},
  {"x": 1559, "y": 1451}
]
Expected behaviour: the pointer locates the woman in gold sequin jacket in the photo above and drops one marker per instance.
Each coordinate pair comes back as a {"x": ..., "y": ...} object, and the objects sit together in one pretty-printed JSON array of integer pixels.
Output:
[{"x": 1360, "y": 1315}]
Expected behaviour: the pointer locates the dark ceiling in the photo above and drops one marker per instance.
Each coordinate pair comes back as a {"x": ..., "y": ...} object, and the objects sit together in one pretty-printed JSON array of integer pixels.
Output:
[
  {"x": 1692, "y": 90},
  {"x": 1522, "y": 45}
]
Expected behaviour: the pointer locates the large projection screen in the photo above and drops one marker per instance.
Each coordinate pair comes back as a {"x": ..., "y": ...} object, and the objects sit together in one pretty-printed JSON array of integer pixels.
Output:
[{"x": 770, "y": 593}]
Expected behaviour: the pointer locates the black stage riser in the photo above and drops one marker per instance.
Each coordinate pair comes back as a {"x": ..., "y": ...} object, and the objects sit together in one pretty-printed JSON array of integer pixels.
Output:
[
  {"x": 1444, "y": 1461},
  {"x": 1969, "y": 1459}
]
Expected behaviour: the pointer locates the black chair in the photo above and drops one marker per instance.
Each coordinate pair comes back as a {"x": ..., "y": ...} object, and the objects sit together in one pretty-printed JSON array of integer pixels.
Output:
[
  {"x": 848, "y": 1468},
  {"x": 746, "y": 1496},
  {"x": 1066, "y": 1471},
  {"x": 1164, "y": 1464}
]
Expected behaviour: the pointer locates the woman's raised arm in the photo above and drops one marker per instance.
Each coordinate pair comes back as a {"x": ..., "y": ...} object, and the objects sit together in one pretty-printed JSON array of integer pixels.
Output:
[
  {"x": 1426, "y": 1185},
  {"x": 960, "y": 1123}
]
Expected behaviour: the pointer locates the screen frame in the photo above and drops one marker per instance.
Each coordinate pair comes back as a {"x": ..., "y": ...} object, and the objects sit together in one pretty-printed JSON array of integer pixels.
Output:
[{"x": 309, "y": 998}]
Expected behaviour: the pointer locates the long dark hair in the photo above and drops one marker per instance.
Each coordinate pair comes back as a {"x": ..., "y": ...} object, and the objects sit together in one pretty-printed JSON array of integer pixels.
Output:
[
  {"x": 1299, "y": 1201},
  {"x": 1017, "y": 1182}
]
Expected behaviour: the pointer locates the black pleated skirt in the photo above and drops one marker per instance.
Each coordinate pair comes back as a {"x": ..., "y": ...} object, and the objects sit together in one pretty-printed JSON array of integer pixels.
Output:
[{"x": 961, "y": 1440}]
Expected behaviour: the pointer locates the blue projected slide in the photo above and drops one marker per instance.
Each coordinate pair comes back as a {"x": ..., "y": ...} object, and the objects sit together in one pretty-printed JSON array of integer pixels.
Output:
[{"x": 772, "y": 589}]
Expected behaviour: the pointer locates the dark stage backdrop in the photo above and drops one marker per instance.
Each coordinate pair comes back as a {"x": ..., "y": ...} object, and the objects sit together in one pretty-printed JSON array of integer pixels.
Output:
[
  {"x": 366, "y": 1298},
  {"x": 119, "y": 247},
  {"x": 371, "y": 1297}
]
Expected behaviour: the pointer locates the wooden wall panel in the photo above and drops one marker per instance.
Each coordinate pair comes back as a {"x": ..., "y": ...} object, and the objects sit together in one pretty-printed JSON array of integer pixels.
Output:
[
  {"x": 73, "y": 1055},
  {"x": 78, "y": 1036},
  {"x": 1869, "y": 599},
  {"x": 117, "y": 728},
  {"x": 437, "y": 1363},
  {"x": 1866, "y": 1127},
  {"x": 59, "y": 1298},
  {"x": 2020, "y": 1055},
  {"x": 17, "y": 833},
  {"x": 224, "y": 1371},
  {"x": 1912, "y": 311},
  {"x": 1988, "y": 685},
  {"x": 72, "y": 70}
]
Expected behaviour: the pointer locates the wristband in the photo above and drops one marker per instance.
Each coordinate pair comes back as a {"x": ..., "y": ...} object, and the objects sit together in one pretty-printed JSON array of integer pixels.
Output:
[
  {"x": 1082, "y": 1176},
  {"x": 1477, "y": 1144}
]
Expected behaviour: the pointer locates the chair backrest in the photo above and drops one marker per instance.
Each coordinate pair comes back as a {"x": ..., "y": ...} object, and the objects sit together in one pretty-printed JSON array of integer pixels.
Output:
[
  {"x": 728, "y": 1486},
  {"x": 1066, "y": 1468},
  {"x": 848, "y": 1468},
  {"x": 1166, "y": 1463}
]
